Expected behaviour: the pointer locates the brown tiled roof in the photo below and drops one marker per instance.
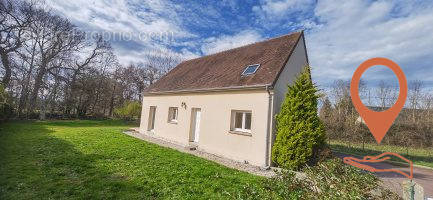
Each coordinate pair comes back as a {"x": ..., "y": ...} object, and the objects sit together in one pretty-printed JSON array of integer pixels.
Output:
[{"x": 224, "y": 69}]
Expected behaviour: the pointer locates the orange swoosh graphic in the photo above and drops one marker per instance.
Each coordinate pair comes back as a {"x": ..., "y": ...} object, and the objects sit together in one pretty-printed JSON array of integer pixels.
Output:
[{"x": 375, "y": 159}]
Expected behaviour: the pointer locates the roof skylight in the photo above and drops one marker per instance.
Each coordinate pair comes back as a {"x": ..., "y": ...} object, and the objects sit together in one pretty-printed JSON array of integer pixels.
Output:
[{"x": 250, "y": 69}]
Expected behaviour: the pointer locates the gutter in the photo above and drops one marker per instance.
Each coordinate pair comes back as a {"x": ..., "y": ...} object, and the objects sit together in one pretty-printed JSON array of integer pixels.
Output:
[
  {"x": 269, "y": 127},
  {"x": 232, "y": 88}
]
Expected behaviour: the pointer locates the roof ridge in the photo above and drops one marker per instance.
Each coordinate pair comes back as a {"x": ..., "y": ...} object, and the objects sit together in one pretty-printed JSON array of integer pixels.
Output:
[
  {"x": 224, "y": 69},
  {"x": 228, "y": 50}
]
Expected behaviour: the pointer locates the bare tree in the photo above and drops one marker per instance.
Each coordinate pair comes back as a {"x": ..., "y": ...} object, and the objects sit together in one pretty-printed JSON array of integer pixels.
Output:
[
  {"x": 28, "y": 56},
  {"x": 56, "y": 38},
  {"x": 52, "y": 69},
  {"x": 383, "y": 92},
  {"x": 15, "y": 17},
  {"x": 163, "y": 60},
  {"x": 136, "y": 76},
  {"x": 414, "y": 96},
  {"x": 100, "y": 49}
]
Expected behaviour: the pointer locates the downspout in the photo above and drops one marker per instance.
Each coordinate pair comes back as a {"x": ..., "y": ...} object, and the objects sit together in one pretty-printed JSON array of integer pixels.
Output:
[{"x": 269, "y": 127}]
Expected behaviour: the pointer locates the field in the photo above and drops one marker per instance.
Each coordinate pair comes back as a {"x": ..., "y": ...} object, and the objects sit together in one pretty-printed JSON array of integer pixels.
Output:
[
  {"x": 423, "y": 157},
  {"x": 91, "y": 159},
  {"x": 94, "y": 160}
]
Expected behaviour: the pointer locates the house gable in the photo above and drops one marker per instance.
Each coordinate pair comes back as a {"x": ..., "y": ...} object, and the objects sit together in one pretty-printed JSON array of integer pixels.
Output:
[{"x": 293, "y": 67}]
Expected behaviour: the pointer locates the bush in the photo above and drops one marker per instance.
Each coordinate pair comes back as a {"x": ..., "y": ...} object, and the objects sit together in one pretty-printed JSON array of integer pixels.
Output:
[
  {"x": 300, "y": 133},
  {"x": 330, "y": 179},
  {"x": 129, "y": 110}
]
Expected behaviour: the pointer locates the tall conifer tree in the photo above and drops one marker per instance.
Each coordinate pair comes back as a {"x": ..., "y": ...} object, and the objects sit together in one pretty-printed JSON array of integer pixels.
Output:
[{"x": 300, "y": 133}]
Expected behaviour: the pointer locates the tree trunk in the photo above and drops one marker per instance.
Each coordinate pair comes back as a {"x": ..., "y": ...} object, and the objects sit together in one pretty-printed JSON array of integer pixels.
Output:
[
  {"x": 36, "y": 88},
  {"x": 42, "y": 115},
  {"x": 52, "y": 96},
  {"x": 98, "y": 89},
  {"x": 8, "y": 70},
  {"x": 69, "y": 94},
  {"x": 112, "y": 101},
  {"x": 25, "y": 91},
  {"x": 23, "y": 99}
]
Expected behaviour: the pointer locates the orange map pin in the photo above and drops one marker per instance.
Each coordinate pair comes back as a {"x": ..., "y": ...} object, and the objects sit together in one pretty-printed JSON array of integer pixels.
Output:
[{"x": 378, "y": 122}]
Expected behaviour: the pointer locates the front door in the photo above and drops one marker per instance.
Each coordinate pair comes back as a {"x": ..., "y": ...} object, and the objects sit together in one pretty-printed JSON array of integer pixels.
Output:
[{"x": 195, "y": 124}]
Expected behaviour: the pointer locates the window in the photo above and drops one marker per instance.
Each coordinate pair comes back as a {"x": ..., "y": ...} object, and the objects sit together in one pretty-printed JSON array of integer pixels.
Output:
[
  {"x": 250, "y": 69},
  {"x": 172, "y": 114},
  {"x": 241, "y": 121},
  {"x": 151, "y": 121}
]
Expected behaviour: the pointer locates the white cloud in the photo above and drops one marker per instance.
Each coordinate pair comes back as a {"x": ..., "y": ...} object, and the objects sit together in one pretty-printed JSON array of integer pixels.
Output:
[
  {"x": 214, "y": 45},
  {"x": 150, "y": 25},
  {"x": 127, "y": 56},
  {"x": 122, "y": 15},
  {"x": 277, "y": 9},
  {"x": 353, "y": 31},
  {"x": 340, "y": 34},
  {"x": 187, "y": 54}
]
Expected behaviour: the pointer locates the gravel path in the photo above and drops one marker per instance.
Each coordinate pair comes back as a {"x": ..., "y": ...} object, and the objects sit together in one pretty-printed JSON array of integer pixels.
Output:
[{"x": 220, "y": 160}]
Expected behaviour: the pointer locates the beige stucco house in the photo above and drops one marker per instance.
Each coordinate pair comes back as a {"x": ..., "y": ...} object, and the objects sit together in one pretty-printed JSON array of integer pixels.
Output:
[{"x": 225, "y": 103}]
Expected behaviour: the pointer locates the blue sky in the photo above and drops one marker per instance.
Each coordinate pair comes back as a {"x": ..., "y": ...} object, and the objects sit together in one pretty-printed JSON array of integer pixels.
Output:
[{"x": 340, "y": 35}]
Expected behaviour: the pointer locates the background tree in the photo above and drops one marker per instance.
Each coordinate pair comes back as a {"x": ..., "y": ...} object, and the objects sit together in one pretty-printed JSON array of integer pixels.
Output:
[
  {"x": 412, "y": 128},
  {"x": 15, "y": 17},
  {"x": 5, "y": 107},
  {"x": 129, "y": 110},
  {"x": 326, "y": 110},
  {"x": 51, "y": 69},
  {"x": 384, "y": 92}
]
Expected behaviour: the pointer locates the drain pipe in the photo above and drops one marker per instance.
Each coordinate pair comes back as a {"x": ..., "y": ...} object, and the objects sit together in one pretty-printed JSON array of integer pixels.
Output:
[{"x": 269, "y": 127}]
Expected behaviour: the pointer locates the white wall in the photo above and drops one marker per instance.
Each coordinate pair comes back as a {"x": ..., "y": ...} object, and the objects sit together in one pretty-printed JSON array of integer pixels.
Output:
[{"x": 215, "y": 136}]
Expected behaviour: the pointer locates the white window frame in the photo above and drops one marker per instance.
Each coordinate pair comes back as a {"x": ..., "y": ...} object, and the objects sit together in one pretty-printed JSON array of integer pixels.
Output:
[
  {"x": 170, "y": 114},
  {"x": 253, "y": 65},
  {"x": 244, "y": 114}
]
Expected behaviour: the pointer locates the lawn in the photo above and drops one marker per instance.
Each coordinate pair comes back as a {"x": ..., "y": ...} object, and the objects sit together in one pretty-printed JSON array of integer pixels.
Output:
[
  {"x": 93, "y": 160},
  {"x": 423, "y": 157}
]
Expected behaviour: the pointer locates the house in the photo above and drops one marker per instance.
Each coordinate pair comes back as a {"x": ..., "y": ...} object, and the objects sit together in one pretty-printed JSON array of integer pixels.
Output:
[{"x": 225, "y": 103}]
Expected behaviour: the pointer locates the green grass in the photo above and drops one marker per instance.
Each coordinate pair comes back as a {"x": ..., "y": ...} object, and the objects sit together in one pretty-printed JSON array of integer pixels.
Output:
[
  {"x": 93, "y": 160},
  {"x": 422, "y": 157}
]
